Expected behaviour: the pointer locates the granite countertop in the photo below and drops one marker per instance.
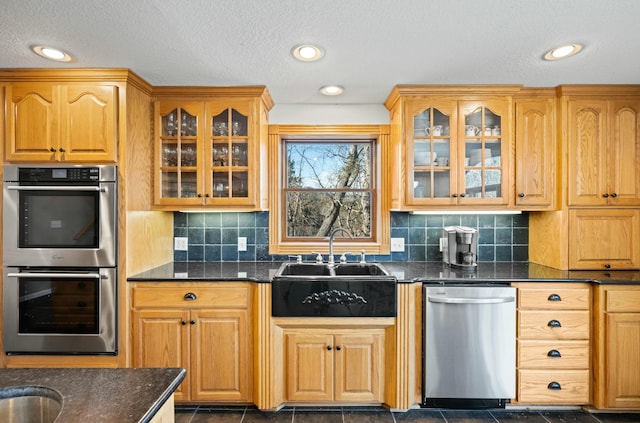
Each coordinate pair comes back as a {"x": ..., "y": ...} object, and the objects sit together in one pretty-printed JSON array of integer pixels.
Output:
[
  {"x": 102, "y": 395},
  {"x": 406, "y": 272}
]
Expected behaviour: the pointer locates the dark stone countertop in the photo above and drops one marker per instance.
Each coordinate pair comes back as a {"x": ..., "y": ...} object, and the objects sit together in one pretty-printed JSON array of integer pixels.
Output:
[
  {"x": 102, "y": 395},
  {"x": 406, "y": 272}
]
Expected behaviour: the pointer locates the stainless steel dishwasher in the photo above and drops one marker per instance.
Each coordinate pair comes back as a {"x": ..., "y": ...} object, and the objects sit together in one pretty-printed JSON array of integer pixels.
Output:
[{"x": 469, "y": 345}]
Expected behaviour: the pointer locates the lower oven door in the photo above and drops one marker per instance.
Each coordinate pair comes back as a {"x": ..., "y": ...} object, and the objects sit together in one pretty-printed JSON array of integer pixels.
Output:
[{"x": 59, "y": 311}]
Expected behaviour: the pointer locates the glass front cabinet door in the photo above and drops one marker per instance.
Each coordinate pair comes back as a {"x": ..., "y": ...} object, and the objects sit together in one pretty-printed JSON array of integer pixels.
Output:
[
  {"x": 208, "y": 152},
  {"x": 456, "y": 152}
]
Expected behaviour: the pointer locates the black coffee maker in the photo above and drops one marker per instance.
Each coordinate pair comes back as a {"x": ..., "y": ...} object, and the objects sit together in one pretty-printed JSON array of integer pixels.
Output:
[{"x": 460, "y": 246}]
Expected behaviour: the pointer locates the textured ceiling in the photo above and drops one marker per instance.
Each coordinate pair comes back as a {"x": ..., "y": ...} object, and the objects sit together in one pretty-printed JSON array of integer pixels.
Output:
[{"x": 370, "y": 45}]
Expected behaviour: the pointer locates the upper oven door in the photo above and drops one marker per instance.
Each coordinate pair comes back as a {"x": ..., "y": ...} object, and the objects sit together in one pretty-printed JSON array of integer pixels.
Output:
[{"x": 66, "y": 225}]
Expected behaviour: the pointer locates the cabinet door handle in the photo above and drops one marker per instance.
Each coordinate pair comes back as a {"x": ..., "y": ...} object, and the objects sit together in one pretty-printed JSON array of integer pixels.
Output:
[
  {"x": 554, "y": 386},
  {"x": 339, "y": 348},
  {"x": 62, "y": 150},
  {"x": 554, "y": 324},
  {"x": 521, "y": 195},
  {"x": 329, "y": 348},
  {"x": 607, "y": 266},
  {"x": 184, "y": 322},
  {"x": 614, "y": 195},
  {"x": 53, "y": 150},
  {"x": 605, "y": 195},
  {"x": 193, "y": 322},
  {"x": 199, "y": 195},
  {"x": 455, "y": 195},
  {"x": 554, "y": 354},
  {"x": 554, "y": 297},
  {"x": 190, "y": 296},
  {"x": 463, "y": 195},
  {"x": 207, "y": 195}
]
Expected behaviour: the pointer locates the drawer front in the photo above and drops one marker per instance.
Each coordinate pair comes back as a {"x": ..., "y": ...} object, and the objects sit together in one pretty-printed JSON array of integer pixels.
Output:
[
  {"x": 624, "y": 301},
  {"x": 548, "y": 298},
  {"x": 553, "y": 354},
  {"x": 553, "y": 324},
  {"x": 236, "y": 297},
  {"x": 535, "y": 387}
]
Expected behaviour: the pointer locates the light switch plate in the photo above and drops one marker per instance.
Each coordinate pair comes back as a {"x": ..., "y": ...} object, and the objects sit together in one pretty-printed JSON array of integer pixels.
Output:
[
  {"x": 181, "y": 243},
  {"x": 242, "y": 243},
  {"x": 397, "y": 245}
]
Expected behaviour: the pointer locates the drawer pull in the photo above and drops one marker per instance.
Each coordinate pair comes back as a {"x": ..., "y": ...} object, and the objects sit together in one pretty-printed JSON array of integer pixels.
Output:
[
  {"x": 554, "y": 354},
  {"x": 554, "y": 386},
  {"x": 554, "y": 324},
  {"x": 190, "y": 296},
  {"x": 554, "y": 297}
]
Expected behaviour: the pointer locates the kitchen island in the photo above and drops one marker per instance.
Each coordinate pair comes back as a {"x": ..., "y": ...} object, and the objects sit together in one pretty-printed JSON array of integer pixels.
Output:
[{"x": 101, "y": 395}]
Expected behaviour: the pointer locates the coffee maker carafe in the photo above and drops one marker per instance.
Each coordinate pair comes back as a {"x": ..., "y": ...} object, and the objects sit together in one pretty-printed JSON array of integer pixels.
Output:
[{"x": 460, "y": 246}]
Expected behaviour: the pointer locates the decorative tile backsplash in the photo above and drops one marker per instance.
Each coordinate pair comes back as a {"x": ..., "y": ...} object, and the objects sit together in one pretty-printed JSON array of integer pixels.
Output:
[{"x": 214, "y": 236}]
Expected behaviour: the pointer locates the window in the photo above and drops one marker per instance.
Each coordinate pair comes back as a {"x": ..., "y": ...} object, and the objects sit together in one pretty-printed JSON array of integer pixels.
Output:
[
  {"x": 326, "y": 177},
  {"x": 328, "y": 184}
]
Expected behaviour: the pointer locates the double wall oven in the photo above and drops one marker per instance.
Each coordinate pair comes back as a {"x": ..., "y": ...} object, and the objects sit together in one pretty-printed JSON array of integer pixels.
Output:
[{"x": 59, "y": 254}]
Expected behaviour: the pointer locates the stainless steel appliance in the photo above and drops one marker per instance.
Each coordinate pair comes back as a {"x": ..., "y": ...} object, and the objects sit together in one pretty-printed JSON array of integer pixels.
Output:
[
  {"x": 57, "y": 215},
  {"x": 460, "y": 246},
  {"x": 59, "y": 310},
  {"x": 469, "y": 345}
]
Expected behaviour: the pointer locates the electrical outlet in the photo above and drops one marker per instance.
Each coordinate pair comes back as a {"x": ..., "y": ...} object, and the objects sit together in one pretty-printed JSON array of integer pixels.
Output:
[
  {"x": 242, "y": 243},
  {"x": 397, "y": 245},
  {"x": 181, "y": 243}
]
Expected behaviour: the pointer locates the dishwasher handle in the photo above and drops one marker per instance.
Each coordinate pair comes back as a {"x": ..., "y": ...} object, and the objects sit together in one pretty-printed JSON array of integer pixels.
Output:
[{"x": 467, "y": 300}]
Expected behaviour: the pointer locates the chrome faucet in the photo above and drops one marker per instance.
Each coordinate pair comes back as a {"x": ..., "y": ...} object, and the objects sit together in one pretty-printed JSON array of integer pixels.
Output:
[{"x": 331, "y": 236}]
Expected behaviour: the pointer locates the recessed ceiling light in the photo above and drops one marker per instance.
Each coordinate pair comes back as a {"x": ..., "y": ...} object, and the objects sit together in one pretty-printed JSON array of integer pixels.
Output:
[
  {"x": 563, "y": 51},
  {"x": 51, "y": 53},
  {"x": 307, "y": 53},
  {"x": 332, "y": 90}
]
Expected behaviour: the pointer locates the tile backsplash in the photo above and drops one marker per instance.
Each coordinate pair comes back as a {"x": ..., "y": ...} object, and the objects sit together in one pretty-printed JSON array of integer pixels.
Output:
[{"x": 214, "y": 236}]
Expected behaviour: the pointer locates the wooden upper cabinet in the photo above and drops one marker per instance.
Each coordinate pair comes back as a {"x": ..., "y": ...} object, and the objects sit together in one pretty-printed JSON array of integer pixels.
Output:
[
  {"x": 70, "y": 123},
  {"x": 535, "y": 152},
  {"x": 455, "y": 147},
  {"x": 210, "y": 147},
  {"x": 603, "y": 152}
]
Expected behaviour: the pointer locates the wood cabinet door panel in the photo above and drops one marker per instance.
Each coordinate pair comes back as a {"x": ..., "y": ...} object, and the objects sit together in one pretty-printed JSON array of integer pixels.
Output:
[
  {"x": 623, "y": 360},
  {"x": 358, "y": 367},
  {"x": 604, "y": 239},
  {"x": 553, "y": 354},
  {"x": 88, "y": 119},
  {"x": 540, "y": 324},
  {"x": 534, "y": 386},
  {"x": 220, "y": 355},
  {"x": 161, "y": 339},
  {"x": 623, "y": 301},
  {"x": 624, "y": 153},
  {"x": 309, "y": 358}
]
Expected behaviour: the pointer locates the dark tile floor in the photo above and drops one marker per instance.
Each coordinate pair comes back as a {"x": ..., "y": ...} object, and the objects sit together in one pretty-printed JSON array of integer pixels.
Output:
[{"x": 203, "y": 414}]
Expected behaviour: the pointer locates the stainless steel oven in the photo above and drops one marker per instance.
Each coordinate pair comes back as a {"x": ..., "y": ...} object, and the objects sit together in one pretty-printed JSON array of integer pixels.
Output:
[
  {"x": 59, "y": 310},
  {"x": 59, "y": 215}
]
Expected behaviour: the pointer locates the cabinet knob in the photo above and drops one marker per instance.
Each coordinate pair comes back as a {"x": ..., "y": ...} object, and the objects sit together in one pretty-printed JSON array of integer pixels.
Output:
[
  {"x": 53, "y": 150},
  {"x": 605, "y": 195},
  {"x": 62, "y": 150},
  {"x": 207, "y": 195},
  {"x": 521, "y": 195},
  {"x": 199, "y": 195},
  {"x": 554, "y": 324},
  {"x": 554, "y": 386},
  {"x": 329, "y": 348},
  {"x": 338, "y": 348},
  {"x": 455, "y": 195},
  {"x": 614, "y": 195},
  {"x": 554, "y": 354},
  {"x": 463, "y": 195},
  {"x": 554, "y": 297},
  {"x": 190, "y": 296},
  {"x": 607, "y": 266},
  {"x": 193, "y": 322},
  {"x": 184, "y": 322}
]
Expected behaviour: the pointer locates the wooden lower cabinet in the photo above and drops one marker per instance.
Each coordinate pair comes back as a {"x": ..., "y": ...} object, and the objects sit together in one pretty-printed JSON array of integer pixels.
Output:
[
  {"x": 323, "y": 366},
  {"x": 208, "y": 335},
  {"x": 553, "y": 354},
  {"x": 617, "y": 370}
]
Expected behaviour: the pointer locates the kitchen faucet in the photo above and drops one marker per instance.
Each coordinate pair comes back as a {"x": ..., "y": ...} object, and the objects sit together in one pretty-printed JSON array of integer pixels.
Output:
[{"x": 331, "y": 236}]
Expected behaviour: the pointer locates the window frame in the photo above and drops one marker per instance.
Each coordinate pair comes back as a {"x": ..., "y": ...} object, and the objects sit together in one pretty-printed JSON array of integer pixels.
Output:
[{"x": 380, "y": 230}]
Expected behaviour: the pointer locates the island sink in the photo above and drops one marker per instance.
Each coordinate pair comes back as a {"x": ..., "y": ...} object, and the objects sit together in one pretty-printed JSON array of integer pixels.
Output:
[
  {"x": 333, "y": 290},
  {"x": 29, "y": 404}
]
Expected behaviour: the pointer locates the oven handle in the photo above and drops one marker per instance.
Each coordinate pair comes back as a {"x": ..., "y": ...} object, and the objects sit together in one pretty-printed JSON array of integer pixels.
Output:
[
  {"x": 53, "y": 275},
  {"x": 496, "y": 300},
  {"x": 57, "y": 188}
]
